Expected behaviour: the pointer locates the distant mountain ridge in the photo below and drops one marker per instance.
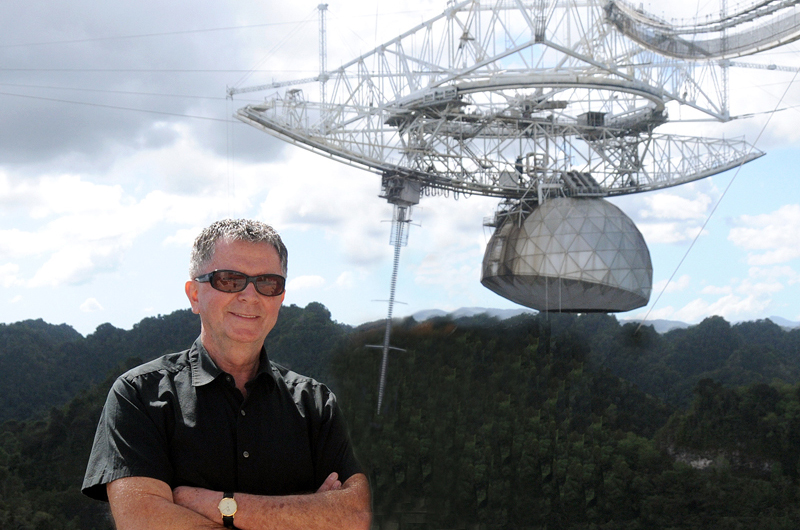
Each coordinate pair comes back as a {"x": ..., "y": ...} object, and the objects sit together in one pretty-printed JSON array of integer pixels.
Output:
[
  {"x": 784, "y": 323},
  {"x": 660, "y": 325},
  {"x": 501, "y": 314},
  {"x": 663, "y": 326}
]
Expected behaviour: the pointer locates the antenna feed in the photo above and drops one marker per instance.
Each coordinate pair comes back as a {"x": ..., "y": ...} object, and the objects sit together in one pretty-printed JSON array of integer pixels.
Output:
[{"x": 400, "y": 190}]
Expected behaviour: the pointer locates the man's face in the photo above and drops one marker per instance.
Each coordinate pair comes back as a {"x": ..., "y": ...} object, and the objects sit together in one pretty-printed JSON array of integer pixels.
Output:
[{"x": 233, "y": 320}]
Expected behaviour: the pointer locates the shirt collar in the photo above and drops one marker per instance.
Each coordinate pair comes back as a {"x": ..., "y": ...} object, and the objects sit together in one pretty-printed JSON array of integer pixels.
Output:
[{"x": 205, "y": 370}]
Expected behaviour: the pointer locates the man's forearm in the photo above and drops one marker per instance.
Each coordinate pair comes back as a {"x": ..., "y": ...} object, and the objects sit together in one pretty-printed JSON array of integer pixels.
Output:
[
  {"x": 146, "y": 504},
  {"x": 346, "y": 506}
]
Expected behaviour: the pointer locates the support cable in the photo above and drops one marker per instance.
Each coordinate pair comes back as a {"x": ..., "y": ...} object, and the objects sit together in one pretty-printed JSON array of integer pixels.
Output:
[{"x": 719, "y": 201}]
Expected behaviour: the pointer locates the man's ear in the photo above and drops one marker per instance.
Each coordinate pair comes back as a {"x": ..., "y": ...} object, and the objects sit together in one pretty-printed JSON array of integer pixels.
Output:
[{"x": 191, "y": 288}]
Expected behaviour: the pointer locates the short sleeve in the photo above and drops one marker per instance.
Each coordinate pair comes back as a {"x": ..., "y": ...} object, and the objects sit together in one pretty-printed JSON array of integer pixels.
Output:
[
  {"x": 332, "y": 445},
  {"x": 130, "y": 441}
]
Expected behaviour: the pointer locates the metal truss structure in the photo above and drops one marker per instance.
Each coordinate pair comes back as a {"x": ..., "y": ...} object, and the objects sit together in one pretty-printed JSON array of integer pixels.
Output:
[
  {"x": 527, "y": 100},
  {"x": 761, "y": 26},
  {"x": 523, "y": 100}
]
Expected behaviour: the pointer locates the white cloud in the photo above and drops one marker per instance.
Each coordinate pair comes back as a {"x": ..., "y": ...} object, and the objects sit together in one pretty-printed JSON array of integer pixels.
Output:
[
  {"x": 71, "y": 195},
  {"x": 729, "y": 306},
  {"x": 346, "y": 280},
  {"x": 775, "y": 273},
  {"x": 448, "y": 246},
  {"x": 80, "y": 227},
  {"x": 670, "y": 205},
  {"x": 781, "y": 255},
  {"x": 717, "y": 290},
  {"x": 91, "y": 305},
  {"x": 672, "y": 215},
  {"x": 16, "y": 299},
  {"x": 8, "y": 274},
  {"x": 77, "y": 264},
  {"x": 18, "y": 243},
  {"x": 183, "y": 238},
  {"x": 341, "y": 200},
  {"x": 748, "y": 298},
  {"x": 305, "y": 282},
  {"x": 668, "y": 232},
  {"x": 759, "y": 288},
  {"x": 448, "y": 272},
  {"x": 692, "y": 312},
  {"x": 745, "y": 287},
  {"x": 734, "y": 308},
  {"x": 745, "y": 299},
  {"x": 448, "y": 224},
  {"x": 674, "y": 286},
  {"x": 181, "y": 168},
  {"x": 775, "y": 234}
]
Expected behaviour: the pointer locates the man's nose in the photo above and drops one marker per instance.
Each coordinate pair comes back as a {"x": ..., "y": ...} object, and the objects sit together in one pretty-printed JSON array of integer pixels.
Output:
[{"x": 249, "y": 291}]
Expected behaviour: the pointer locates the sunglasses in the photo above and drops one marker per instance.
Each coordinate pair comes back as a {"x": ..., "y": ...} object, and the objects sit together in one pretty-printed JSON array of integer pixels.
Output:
[{"x": 234, "y": 282}]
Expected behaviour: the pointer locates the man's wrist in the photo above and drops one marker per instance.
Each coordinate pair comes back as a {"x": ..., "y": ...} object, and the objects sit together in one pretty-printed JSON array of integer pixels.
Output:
[{"x": 227, "y": 509}]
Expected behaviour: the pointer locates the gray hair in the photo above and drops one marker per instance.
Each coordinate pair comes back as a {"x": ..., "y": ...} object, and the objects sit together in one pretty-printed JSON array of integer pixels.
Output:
[{"x": 234, "y": 230}]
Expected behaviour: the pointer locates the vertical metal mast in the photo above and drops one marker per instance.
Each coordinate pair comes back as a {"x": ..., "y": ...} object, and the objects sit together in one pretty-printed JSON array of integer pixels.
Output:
[
  {"x": 725, "y": 63},
  {"x": 398, "y": 224},
  {"x": 403, "y": 194},
  {"x": 323, "y": 53}
]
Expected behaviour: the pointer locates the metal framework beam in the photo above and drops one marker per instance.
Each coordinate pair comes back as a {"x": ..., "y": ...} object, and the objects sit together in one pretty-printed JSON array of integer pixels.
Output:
[{"x": 508, "y": 98}]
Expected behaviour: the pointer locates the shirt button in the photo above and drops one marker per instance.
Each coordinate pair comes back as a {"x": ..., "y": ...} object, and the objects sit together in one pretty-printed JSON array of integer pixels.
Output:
[
  {"x": 243, "y": 412},
  {"x": 246, "y": 454}
]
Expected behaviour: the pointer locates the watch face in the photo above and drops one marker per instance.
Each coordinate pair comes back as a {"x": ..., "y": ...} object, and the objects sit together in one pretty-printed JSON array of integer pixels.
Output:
[{"x": 227, "y": 506}]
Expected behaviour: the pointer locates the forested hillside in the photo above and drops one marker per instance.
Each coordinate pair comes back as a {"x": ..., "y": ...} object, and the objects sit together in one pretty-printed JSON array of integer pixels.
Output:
[
  {"x": 42, "y": 365},
  {"x": 671, "y": 365},
  {"x": 506, "y": 425},
  {"x": 523, "y": 423}
]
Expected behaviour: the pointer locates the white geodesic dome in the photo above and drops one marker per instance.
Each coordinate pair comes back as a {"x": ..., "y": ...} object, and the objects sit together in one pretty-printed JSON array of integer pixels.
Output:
[{"x": 571, "y": 255}]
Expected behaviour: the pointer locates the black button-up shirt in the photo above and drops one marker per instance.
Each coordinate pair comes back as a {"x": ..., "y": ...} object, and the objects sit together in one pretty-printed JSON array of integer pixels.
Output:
[{"x": 181, "y": 420}]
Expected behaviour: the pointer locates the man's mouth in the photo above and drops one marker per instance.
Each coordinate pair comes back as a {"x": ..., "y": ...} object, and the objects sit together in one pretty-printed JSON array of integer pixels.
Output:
[{"x": 251, "y": 317}]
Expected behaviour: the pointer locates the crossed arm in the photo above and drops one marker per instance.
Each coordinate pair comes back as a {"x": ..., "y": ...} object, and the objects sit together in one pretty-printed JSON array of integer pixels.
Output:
[{"x": 139, "y": 503}]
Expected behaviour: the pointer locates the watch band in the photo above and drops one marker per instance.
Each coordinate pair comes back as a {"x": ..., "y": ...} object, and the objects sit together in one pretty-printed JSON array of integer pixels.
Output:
[{"x": 227, "y": 520}]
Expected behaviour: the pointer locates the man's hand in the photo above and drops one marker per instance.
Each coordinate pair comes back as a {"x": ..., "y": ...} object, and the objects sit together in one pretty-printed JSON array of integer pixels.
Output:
[{"x": 331, "y": 483}]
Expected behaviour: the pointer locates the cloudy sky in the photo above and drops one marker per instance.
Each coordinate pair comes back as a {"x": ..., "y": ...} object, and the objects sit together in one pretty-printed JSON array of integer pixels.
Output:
[{"x": 117, "y": 146}]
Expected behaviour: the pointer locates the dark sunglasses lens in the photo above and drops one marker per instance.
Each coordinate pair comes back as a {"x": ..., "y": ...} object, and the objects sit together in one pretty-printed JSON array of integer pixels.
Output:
[
  {"x": 229, "y": 282},
  {"x": 269, "y": 285}
]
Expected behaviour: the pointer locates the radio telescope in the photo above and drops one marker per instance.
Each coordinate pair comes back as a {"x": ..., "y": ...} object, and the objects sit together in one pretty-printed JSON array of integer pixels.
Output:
[{"x": 549, "y": 105}]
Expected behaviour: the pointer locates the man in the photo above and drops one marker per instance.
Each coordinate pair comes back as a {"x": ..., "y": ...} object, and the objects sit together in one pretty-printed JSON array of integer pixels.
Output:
[{"x": 217, "y": 436}]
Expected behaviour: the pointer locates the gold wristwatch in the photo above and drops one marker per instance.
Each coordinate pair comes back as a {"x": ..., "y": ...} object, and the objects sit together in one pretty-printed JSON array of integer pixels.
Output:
[{"x": 227, "y": 507}]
